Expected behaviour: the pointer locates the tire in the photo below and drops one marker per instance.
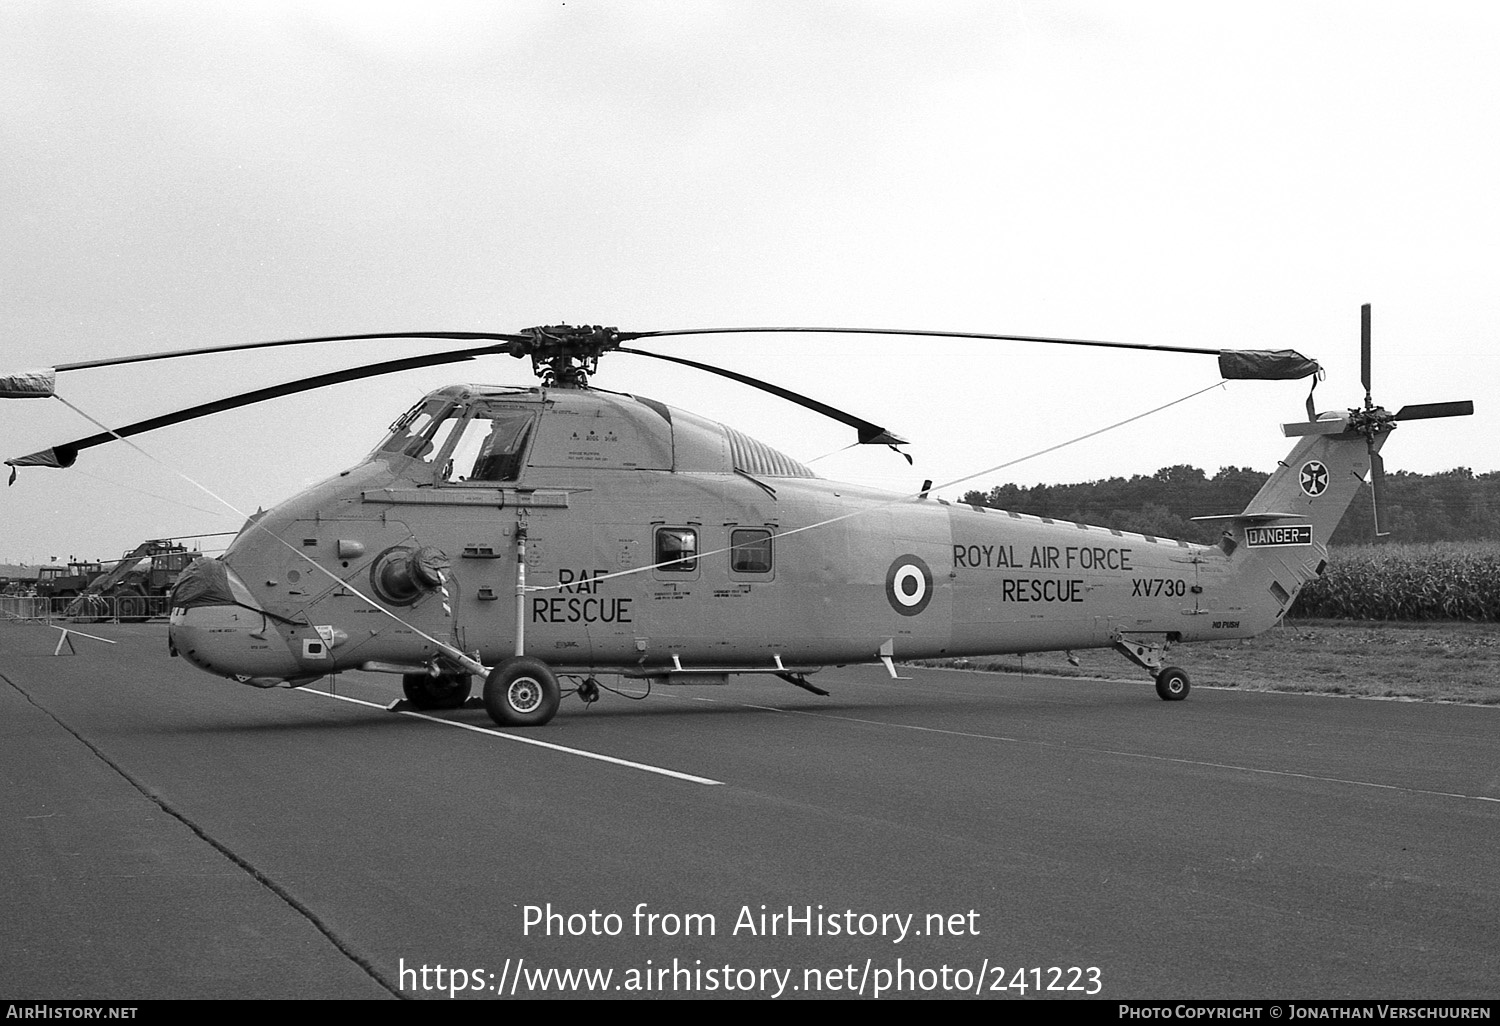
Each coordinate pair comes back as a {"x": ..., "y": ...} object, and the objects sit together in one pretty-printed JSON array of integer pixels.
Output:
[
  {"x": 521, "y": 692},
  {"x": 446, "y": 691},
  {"x": 132, "y": 607},
  {"x": 1173, "y": 684}
]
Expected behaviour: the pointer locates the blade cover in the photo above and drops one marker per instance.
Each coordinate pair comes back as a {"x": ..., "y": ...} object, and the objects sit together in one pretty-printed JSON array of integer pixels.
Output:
[
  {"x": 32, "y": 384},
  {"x": 1265, "y": 364}
]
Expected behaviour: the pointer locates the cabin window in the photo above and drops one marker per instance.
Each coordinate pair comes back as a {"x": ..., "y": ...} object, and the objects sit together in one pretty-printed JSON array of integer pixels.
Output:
[
  {"x": 676, "y": 550},
  {"x": 750, "y": 551},
  {"x": 492, "y": 447}
]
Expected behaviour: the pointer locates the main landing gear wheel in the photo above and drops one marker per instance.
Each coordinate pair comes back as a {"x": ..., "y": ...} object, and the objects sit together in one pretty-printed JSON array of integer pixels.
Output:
[
  {"x": 521, "y": 692},
  {"x": 1172, "y": 684},
  {"x": 445, "y": 691}
]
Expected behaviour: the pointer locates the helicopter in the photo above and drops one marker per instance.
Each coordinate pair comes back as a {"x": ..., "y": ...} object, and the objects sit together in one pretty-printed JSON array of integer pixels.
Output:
[{"x": 527, "y": 536}]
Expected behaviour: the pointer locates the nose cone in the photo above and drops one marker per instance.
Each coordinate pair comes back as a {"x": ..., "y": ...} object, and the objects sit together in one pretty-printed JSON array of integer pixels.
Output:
[{"x": 218, "y": 626}]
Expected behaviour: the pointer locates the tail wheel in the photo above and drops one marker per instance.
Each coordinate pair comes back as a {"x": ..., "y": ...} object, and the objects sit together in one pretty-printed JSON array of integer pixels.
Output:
[
  {"x": 521, "y": 692},
  {"x": 445, "y": 691},
  {"x": 1173, "y": 684}
]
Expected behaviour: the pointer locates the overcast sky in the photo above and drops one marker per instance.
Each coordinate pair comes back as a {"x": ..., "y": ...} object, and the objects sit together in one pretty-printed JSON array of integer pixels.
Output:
[{"x": 183, "y": 174}]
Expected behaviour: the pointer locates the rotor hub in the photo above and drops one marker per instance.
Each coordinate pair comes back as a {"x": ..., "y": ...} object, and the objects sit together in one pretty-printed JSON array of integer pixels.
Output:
[
  {"x": 564, "y": 355},
  {"x": 1371, "y": 420}
]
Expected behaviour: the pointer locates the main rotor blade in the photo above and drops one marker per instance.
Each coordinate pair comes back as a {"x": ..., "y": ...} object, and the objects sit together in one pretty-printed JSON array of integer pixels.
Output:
[
  {"x": 1364, "y": 349},
  {"x": 469, "y": 336},
  {"x": 869, "y": 433},
  {"x": 1257, "y": 364},
  {"x": 630, "y": 336},
  {"x": 1427, "y": 411},
  {"x": 64, "y": 455}
]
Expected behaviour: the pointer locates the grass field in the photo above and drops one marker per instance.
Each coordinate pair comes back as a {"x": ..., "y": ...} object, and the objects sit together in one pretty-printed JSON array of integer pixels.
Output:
[{"x": 1427, "y": 661}]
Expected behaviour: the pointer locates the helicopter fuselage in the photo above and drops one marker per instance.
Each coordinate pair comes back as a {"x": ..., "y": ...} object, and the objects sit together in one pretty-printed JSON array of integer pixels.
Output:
[{"x": 601, "y": 532}]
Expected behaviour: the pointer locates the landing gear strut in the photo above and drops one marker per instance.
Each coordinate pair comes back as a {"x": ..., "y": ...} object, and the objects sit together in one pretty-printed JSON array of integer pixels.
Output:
[{"x": 1172, "y": 682}]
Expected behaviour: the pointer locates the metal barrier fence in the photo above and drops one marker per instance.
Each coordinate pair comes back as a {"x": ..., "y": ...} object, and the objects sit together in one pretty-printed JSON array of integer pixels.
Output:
[
  {"x": 17, "y": 607},
  {"x": 85, "y": 609}
]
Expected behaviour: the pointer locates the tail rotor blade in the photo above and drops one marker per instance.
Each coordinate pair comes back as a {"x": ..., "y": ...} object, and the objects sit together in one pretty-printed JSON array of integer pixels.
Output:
[
  {"x": 1364, "y": 349},
  {"x": 1428, "y": 411},
  {"x": 1377, "y": 489}
]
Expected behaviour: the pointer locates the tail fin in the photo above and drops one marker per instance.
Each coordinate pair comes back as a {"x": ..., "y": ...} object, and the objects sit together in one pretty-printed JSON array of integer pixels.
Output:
[
  {"x": 1280, "y": 541},
  {"x": 1314, "y": 485},
  {"x": 1311, "y": 489}
]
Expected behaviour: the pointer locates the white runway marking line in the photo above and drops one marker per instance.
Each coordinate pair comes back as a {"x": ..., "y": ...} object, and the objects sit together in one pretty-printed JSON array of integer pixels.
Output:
[
  {"x": 690, "y": 778},
  {"x": 1111, "y": 751}
]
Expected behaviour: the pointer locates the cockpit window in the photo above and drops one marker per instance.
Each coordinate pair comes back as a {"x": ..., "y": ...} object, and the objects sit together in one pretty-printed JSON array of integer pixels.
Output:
[
  {"x": 421, "y": 430},
  {"x": 492, "y": 447}
]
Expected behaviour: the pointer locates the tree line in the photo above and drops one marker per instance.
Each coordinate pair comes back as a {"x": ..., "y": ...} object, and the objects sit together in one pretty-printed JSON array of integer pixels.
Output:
[{"x": 1455, "y": 505}]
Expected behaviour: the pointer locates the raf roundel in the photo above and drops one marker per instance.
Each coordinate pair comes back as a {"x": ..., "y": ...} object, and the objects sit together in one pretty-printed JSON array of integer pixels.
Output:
[
  {"x": 1313, "y": 478},
  {"x": 908, "y": 585}
]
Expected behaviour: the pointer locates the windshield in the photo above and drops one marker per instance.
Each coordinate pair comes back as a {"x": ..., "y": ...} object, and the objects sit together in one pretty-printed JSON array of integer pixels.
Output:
[
  {"x": 421, "y": 431},
  {"x": 476, "y": 441}
]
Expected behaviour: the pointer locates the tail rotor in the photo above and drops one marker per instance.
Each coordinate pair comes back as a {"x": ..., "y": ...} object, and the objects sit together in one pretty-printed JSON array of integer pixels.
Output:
[{"x": 1374, "y": 422}]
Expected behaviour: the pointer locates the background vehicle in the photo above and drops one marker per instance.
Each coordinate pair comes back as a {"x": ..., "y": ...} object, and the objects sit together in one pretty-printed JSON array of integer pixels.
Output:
[
  {"x": 136, "y": 588},
  {"x": 60, "y": 585}
]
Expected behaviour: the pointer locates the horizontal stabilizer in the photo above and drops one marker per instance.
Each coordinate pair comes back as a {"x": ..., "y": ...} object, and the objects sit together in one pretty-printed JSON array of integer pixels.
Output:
[
  {"x": 1315, "y": 427},
  {"x": 1253, "y": 518}
]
